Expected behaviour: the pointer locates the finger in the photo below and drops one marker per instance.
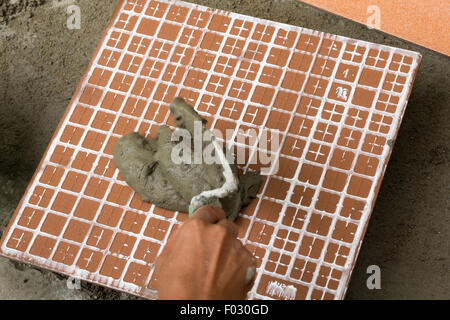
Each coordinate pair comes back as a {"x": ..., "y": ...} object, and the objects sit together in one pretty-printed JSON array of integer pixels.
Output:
[
  {"x": 172, "y": 238},
  {"x": 209, "y": 214},
  {"x": 230, "y": 226},
  {"x": 249, "y": 264},
  {"x": 159, "y": 264},
  {"x": 250, "y": 274}
]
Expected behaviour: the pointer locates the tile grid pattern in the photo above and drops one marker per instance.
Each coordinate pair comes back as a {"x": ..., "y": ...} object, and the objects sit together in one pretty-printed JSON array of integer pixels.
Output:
[{"x": 80, "y": 218}]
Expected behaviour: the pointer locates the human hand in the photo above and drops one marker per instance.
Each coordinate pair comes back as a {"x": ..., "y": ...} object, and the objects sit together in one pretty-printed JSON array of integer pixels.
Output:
[{"x": 203, "y": 259}]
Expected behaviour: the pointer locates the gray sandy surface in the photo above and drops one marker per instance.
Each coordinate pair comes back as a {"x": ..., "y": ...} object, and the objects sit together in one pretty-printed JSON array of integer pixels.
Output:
[{"x": 42, "y": 62}]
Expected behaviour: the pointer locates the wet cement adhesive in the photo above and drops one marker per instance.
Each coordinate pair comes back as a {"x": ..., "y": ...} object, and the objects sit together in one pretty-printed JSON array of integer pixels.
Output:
[{"x": 147, "y": 166}]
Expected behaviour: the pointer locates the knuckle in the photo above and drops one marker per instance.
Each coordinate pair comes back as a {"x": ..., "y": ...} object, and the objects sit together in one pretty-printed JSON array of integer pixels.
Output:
[
  {"x": 219, "y": 231},
  {"x": 248, "y": 257}
]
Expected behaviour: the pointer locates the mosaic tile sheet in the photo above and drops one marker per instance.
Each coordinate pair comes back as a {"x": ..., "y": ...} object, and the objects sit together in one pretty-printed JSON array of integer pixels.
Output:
[{"x": 337, "y": 103}]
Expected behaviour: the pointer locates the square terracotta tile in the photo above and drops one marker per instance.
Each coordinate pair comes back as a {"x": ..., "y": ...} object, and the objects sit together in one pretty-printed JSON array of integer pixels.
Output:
[
  {"x": 112, "y": 101},
  {"x": 41, "y": 196},
  {"x": 19, "y": 240},
  {"x": 263, "y": 32},
  {"x": 42, "y": 246},
  {"x": 81, "y": 115},
  {"x": 117, "y": 40},
  {"x": 308, "y": 42},
  {"x": 64, "y": 202},
  {"x": 72, "y": 135},
  {"x": 147, "y": 251},
  {"x": 352, "y": 208},
  {"x": 303, "y": 270},
  {"x": 137, "y": 274},
  {"x": 62, "y": 155},
  {"x": 312, "y": 247},
  {"x": 285, "y": 38},
  {"x": 99, "y": 237},
  {"x": 327, "y": 201},
  {"x": 156, "y": 228},
  {"x": 269, "y": 210},
  {"x": 260, "y": 233},
  {"x": 110, "y": 215},
  {"x": 286, "y": 240},
  {"x": 113, "y": 267},
  {"x": 302, "y": 195},
  {"x": 122, "y": 244},
  {"x": 132, "y": 222},
  {"x": 337, "y": 254},
  {"x": 74, "y": 181},
  {"x": 89, "y": 260},
  {"x": 51, "y": 175},
  {"x": 294, "y": 218},
  {"x": 86, "y": 209},
  {"x": 96, "y": 188}
]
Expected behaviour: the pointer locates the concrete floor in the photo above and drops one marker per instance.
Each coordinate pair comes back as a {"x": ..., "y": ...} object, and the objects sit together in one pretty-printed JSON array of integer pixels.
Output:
[{"x": 42, "y": 62}]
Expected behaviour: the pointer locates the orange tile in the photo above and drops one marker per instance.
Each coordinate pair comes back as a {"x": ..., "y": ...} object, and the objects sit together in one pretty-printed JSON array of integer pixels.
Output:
[
  {"x": 110, "y": 215},
  {"x": 96, "y": 188},
  {"x": 302, "y": 195},
  {"x": 113, "y": 267},
  {"x": 260, "y": 233},
  {"x": 294, "y": 218},
  {"x": 122, "y": 244},
  {"x": 30, "y": 218},
  {"x": 51, "y": 175},
  {"x": 66, "y": 253},
  {"x": 19, "y": 240},
  {"x": 269, "y": 210},
  {"x": 64, "y": 202},
  {"x": 86, "y": 209},
  {"x": 327, "y": 202},
  {"x": 76, "y": 231},
  {"x": 137, "y": 274},
  {"x": 147, "y": 251},
  {"x": 413, "y": 21},
  {"x": 89, "y": 260},
  {"x": 156, "y": 228},
  {"x": 42, "y": 247},
  {"x": 132, "y": 222},
  {"x": 334, "y": 180},
  {"x": 147, "y": 27},
  {"x": 41, "y": 196},
  {"x": 74, "y": 181},
  {"x": 169, "y": 31},
  {"x": 53, "y": 224},
  {"x": 312, "y": 247},
  {"x": 359, "y": 186}
]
